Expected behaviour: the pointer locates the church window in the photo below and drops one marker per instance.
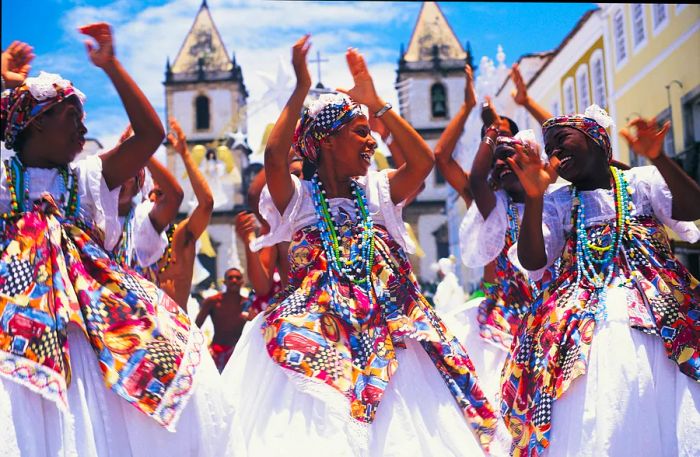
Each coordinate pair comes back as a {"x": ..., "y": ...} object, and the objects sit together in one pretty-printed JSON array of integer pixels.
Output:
[
  {"x": 438, "y": 100},
  {"x": 202, "y": 111}
]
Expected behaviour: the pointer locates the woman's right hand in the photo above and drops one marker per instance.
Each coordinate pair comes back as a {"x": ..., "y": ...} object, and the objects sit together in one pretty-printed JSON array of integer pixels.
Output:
[
  {"x": 469, "y": 89},
  {"x": 534, "y": 175},
  {"x": 363, "y": 92},
  {"x": 102, "y": 33},
  {"x": 301, "y": 69},
  {"x": 16, "y": 63}
]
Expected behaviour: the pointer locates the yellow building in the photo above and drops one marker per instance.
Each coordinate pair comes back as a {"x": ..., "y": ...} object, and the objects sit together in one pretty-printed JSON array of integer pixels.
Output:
[{"x": 654, "y": 65}]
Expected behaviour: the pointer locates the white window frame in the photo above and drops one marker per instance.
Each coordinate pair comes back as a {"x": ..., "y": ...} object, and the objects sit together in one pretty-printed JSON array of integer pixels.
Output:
[
  {"x": 598, "y": 57},
  {"x": 680, "y": 7},
  {"x": 657, "y": 27},
  {"x": 636, "y": 47},
  {"x": 582, "y": 71},
  {"x": 619, "y": 62},
  {"x": 569, "y": 85}
]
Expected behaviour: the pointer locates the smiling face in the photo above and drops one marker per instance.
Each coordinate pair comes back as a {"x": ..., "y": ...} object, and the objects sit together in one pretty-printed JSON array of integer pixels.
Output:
[
  {"x": 503, "y": 175},
  {"x": 350, "y": 150},
  {"x": 579, "y": 157},
  {"x": 60, "y": 131}
]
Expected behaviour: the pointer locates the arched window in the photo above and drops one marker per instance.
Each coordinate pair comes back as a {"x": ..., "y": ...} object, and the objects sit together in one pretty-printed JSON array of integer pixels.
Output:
[
  {"x": 598, "y": 79},
  {"x": 582, "y": 86},
  {"x": 438, "y": 100},
  {"x": 202, "y": 110},
  {"x": 569, "y": 97}
]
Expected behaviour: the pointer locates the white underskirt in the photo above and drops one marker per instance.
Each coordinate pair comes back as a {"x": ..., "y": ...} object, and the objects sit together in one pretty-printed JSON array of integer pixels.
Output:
[
  {"x": 99, "y": 423},
  {"x": 417, "y": 416}
]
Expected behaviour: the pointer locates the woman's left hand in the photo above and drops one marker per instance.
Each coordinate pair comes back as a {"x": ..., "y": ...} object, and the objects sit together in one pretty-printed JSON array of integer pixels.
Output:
[
  {"x": 363, "y": 92},
  {"x": 649, "y": 140},
  {"x": 102, "y": 33}
]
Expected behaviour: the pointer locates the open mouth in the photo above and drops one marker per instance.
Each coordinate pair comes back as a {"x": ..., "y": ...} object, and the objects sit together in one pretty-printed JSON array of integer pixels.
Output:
[
  {"x": 564, "y": 162},
  {"x": 367, "y": 156},
  {"x": 503, "y": 172}
]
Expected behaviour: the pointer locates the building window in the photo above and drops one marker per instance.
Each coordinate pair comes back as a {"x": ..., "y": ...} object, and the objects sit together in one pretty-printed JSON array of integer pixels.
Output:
[
  {"x": 639, "y": 33},
  {"x": 619, "y": 33},
  {"x": 202, "y": 111},
  {"x": 598, "y": 79},
  {"x": 442, "y": 242},
  {"x": 438, "y": 100},
  {"x": 680, "y": 7},
  {"x": 556, "y": 111},
  {"x": 584, "y": 96},
  {"x": 659, "y": 14},
  {"x": 569, "y": 97}
]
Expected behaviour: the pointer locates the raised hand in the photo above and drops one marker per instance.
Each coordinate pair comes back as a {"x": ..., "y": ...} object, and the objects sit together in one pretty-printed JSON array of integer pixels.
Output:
[
  {"x": 16, "y": 63},
  {"x": 301, "y": 69},
  {"x": 378, "y": 125},
  {"x": 488, "y": 113},
  {"x": 469, "y": 89},
  {"x": 534, "y": 175},
  {"x": 245, "y": 226},
  {"x": 363, "y": 92},
  {"x": 649, "y": 140},
  {"x": 520, "y": 92},
  {"x": 177, "y": 137},
  {"x": 102, "y": 33}
]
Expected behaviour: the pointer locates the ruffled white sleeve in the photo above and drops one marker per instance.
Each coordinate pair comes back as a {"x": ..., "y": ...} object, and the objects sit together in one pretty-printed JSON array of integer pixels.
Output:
[
  {"x": 379, "y": 191},
  {"x": 481, "y": 240},
  {"x": 649, "y": 181},
  {"x": 98, "y": 203},
  {"x": 557, "y": 208},
  {"x": 149, "y": 245},
  {"x": 281, "y": 225}
]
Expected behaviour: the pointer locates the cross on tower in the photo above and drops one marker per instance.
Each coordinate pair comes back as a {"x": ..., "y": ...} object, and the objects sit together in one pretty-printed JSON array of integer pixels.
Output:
[{"x": 318, "y": 62}]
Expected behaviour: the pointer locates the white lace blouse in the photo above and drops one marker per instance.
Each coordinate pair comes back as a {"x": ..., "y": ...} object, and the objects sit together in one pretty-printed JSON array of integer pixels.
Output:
[
  {"x": 649, "y": 195},
  {"x": 148, "y": 245},
  {"x": 98, "y": 204},
  {"x": 300, "y": 211}
]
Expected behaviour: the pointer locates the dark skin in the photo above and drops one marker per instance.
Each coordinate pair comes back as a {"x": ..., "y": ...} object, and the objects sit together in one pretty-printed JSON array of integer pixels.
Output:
[
  {"x": 592, "y": 172},
  {"x": 176, "y": 280},
  {"x": 226, "y": 310},
  {"x": 488, "y": 162},
  {"x": 448, "y": 166},
  {"x": 54, "y": 138}
]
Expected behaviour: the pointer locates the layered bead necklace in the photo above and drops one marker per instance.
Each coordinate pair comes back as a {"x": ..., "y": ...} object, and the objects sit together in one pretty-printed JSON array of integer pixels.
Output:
[
  {"x": 18, "y": 183},
  {"x": 168, "y": 255},
  {"x": 357, "y": 267},
  {"x": 122, "y": 251},
  {"x": 598, "y": 270}
]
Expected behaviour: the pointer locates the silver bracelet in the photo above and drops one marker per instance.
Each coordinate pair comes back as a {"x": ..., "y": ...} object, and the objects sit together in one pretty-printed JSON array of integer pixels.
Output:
[
  {"x": 384, "y": 109},
  {"x": 488, "y": 140}
]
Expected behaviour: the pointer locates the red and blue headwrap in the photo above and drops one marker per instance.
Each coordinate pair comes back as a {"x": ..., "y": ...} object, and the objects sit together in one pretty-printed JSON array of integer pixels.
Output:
[
  {"x": 592, "y": 123},
  {"x": 21, "y": 105},
  {"x": 323, "y": 117}
]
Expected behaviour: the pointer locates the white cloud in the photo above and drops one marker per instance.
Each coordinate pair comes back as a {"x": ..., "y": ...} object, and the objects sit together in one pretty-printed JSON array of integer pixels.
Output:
[{"x": 258, "y": 32}]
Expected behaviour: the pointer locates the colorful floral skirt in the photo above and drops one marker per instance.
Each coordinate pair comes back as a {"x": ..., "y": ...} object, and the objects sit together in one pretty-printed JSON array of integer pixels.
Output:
[
  {"x": 349, "y": 347},
  {"x": 655, "y": 294},
  {"x": 54, "y": 274}
]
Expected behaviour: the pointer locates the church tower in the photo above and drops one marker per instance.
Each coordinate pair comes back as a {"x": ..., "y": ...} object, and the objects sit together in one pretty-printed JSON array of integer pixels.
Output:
[
  {"x": 205, "y": 93},
  {"x": 430, "y": 84}
]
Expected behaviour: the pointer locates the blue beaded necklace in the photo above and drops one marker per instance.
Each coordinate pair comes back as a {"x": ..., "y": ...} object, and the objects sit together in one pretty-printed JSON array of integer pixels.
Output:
[
  {"x": 599, "y": 270},
  {"x": 358, "y": 266}
]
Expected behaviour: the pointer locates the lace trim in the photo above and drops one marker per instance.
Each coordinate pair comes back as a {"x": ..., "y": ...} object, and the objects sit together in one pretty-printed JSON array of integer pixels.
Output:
[
  {"x": 338, "y": 405},
  {"x": 183, "y": 385},
  {"x": 37, "y": 378}
]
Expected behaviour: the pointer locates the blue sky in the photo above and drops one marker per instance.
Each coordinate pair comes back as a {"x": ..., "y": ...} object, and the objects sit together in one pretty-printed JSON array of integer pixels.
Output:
[{"x": 261, "y": 33}]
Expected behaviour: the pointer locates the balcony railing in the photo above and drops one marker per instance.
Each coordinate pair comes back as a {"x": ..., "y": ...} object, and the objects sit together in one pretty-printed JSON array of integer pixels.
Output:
[{"x": 689, "y": 160}]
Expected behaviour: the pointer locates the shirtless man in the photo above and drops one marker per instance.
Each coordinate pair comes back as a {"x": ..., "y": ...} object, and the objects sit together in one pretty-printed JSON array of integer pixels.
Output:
[
  {"x": 175, "y": 268},
  {"x": 226, "y": 311}
]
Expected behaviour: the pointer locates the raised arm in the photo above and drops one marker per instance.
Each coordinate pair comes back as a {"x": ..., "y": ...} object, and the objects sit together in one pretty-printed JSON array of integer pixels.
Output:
[
  {"x": 521, "y": 98},
  {"x": 483, "y": 195},
  {"x": 279, "y": 181},
  {"x": 448, "y": 166},
  {"x": 535, "y": 177},
  {"x": 204, "y": 312},
  {"x": 259, "y": 274},
  {"x": 168, "y": 201},
  {"x": 419, "y": 158},
  {"x": 199, "y": 219},
  {"x": 124, "y": 161},
  {"x": 648, "y": 142},
  {"x": 16, "y": 63}
]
